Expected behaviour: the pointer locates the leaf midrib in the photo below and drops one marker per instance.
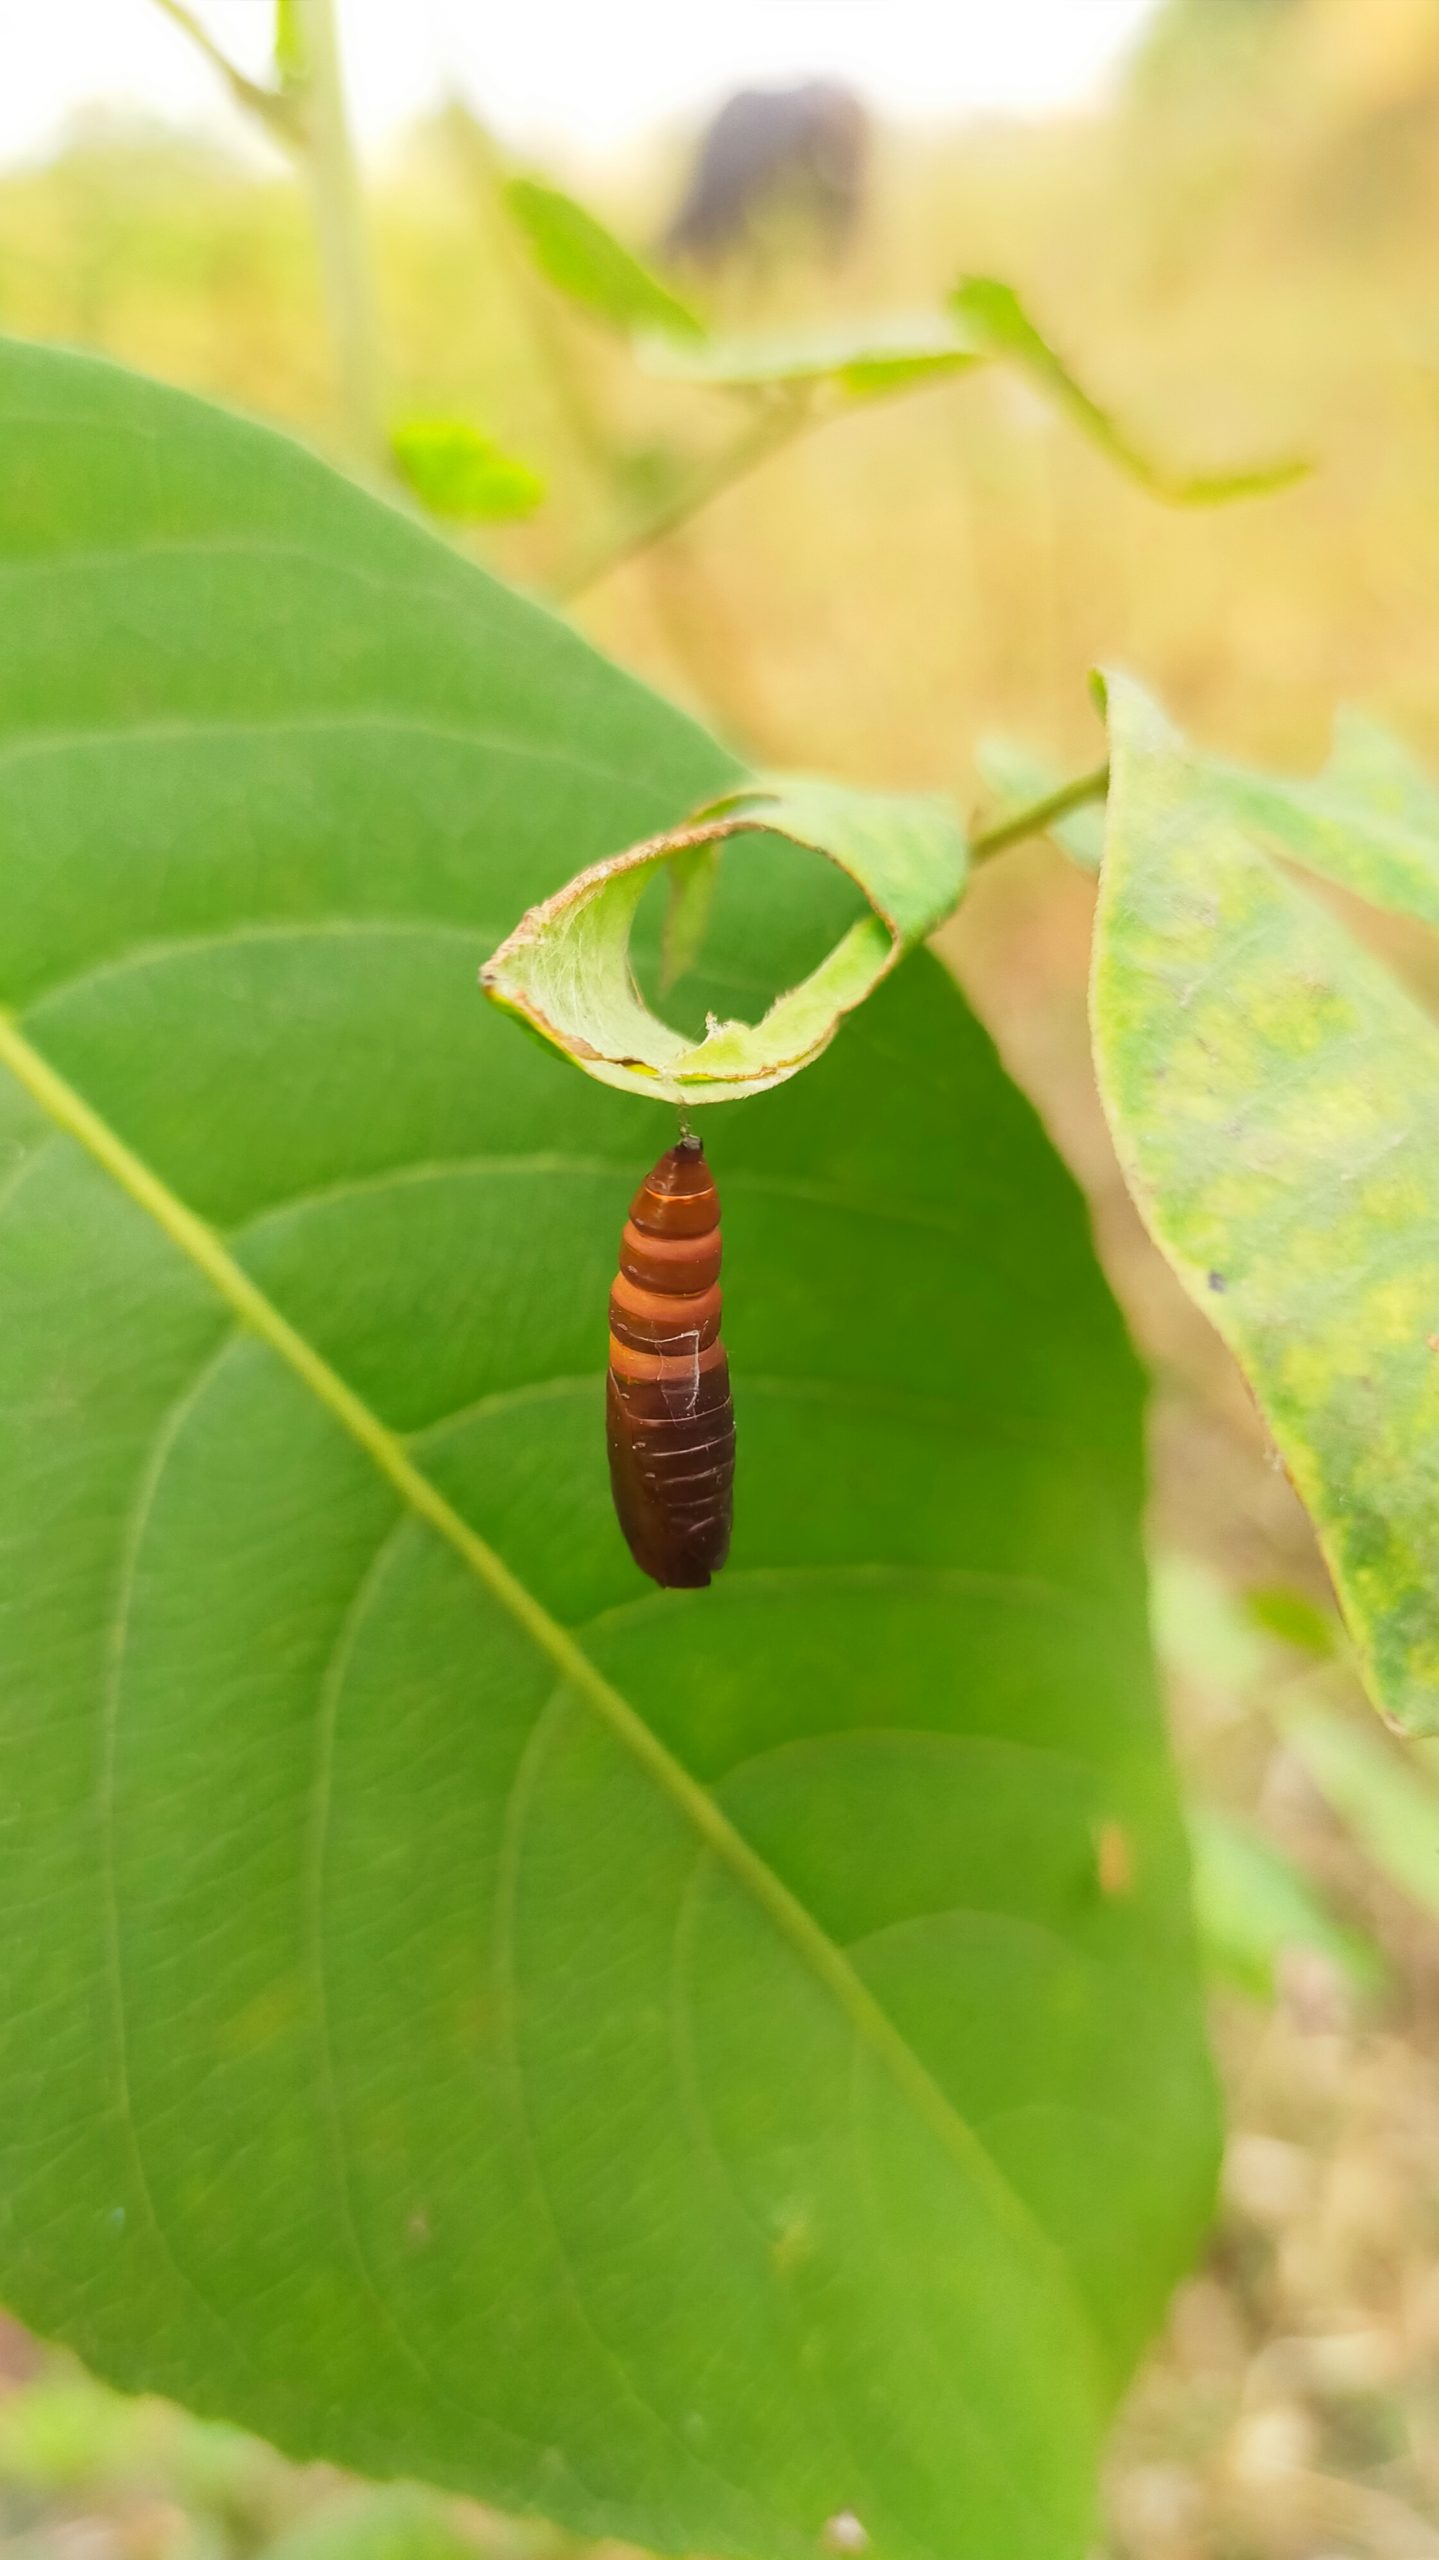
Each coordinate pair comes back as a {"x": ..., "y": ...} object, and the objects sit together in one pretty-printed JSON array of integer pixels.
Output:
[{"x": 68, "y": 1110}]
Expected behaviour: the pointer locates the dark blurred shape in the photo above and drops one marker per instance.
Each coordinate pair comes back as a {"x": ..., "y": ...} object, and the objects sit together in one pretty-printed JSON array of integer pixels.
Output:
[{"x": 770, "y": 153}]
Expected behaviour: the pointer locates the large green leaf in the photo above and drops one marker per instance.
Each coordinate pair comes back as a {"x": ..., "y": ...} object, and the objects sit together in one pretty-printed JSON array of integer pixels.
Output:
[
  {"x": 700, "y": 2065},
  {"x": 1273, "y": 1095}
]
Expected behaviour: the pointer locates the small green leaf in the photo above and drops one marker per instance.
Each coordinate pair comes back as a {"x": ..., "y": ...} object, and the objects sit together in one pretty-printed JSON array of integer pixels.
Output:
[
  {"x": 1200, "y": 1628},
  {"x": 1278, "y": 1611},
  {"x": 1273, "y": 1095},
  {"x": 1253, "y": 1905},
  {"x": 1379, "y": 1792},
  {"x": 861, "y": 360},
  {"x": 586, "y": 262},
  {"x": 457, "y": 472},
  {"x": 1019, "y": 778},
  {"x": 994, "y": 317},
  {"x": 565, "y": 970},
  {"x": 60, "y": 2436}
]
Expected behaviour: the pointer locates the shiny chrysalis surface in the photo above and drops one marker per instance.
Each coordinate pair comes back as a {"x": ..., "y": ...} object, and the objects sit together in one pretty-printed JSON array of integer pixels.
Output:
[{"x": 669, "y": 1416}]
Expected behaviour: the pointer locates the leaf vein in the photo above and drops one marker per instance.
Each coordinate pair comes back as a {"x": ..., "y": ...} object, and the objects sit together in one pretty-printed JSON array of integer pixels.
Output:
[
  {"x": 147, "y": 1485},
  {"x": 507, "y": 1877},
  {"x": 332, "y": 1684},
  {"x": 36, "y": 744}
]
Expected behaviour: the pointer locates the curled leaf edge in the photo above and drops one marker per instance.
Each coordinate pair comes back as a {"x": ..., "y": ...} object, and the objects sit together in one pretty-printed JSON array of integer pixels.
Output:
[{"x": 747, "y": 809}]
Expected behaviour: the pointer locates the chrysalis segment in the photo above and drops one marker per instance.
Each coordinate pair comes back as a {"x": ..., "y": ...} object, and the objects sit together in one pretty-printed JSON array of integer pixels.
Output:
[{"x": 668, "y": 1411}]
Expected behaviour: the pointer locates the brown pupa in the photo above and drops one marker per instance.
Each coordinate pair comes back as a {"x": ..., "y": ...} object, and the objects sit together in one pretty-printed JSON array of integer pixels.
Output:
[{"x": 669, "y": 1416}]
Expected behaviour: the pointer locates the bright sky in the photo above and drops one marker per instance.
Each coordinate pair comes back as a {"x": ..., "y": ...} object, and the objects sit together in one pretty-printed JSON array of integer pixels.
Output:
[{"x": 593, "y": 72}]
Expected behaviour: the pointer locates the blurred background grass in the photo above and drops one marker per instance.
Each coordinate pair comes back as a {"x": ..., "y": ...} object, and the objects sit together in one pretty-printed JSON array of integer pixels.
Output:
[{"x": 1239, "y": 254}]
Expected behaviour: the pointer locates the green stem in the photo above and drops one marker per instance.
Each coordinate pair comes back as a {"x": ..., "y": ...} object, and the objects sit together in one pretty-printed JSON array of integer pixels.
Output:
[
  {"x": 483, "y": 169},
  {"x": 339, "y": 208},
  {"x": 775, "y": 426},
  {"x": 268, "y": 104},
  {"x": 1041, "y": 815}
]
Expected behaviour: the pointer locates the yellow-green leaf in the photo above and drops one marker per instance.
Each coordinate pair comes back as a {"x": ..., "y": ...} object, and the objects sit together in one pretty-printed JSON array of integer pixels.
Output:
[{"x": 1274, "y": 1095}]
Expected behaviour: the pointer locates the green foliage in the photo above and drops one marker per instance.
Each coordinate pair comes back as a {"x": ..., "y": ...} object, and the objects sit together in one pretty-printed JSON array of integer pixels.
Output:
[
  {"x": 993, "y": 316},
  {"x": 60, "y": 2435},
  {"x": 142, "y": 2468},
  {"x": 565, "y": 970},
  {"x": 1254, "y": 1907},
  {"x": 587, "y": 263},
  {"x": 1378, "y": 1791},
  {"x": 983, "y": 321},
  {"x": 383, "y": 2524},
  {"x": 679, "y": 2062},
  {"x": 457, "y": 472},
  {"x": 1201, "y": 1629},
  {"x": 1272, "y": 1094}
]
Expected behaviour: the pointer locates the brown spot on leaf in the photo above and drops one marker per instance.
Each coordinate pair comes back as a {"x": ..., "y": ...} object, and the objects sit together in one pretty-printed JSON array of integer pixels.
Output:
[{"x": 1114, "y": 1860}]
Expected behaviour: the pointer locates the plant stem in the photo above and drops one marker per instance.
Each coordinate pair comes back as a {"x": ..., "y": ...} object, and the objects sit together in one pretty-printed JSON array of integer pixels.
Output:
[
  {"x": 483, "y": 169},
  {"x": 268, "y": 104},
  {"x": 1040, "y": 815},
  {"x": 773, "y": 427},
  {"x": 334, "y": 176}
]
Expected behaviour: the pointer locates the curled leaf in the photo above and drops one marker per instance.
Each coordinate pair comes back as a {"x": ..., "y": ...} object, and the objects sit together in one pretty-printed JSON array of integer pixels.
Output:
[
  {"x": 993, "y": 317},
  {"x": 565, "y": 970},
  {"x": 583, "y": 260},
  {"x": 693, "y": 879}
]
